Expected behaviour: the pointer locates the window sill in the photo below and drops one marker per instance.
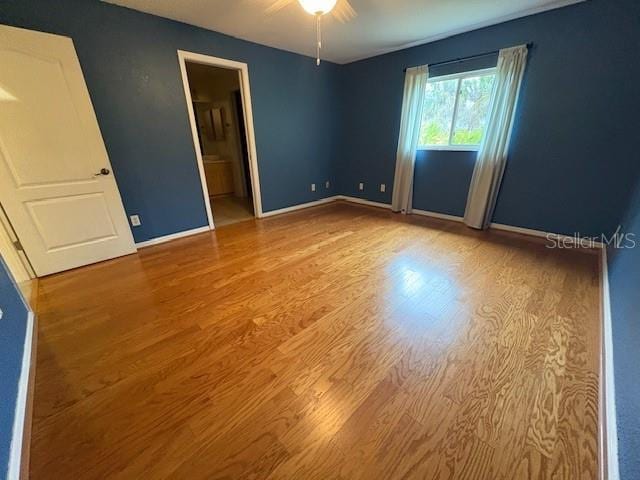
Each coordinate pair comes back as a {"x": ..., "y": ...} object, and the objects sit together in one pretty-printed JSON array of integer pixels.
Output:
[{"x": 453, "y": 148}]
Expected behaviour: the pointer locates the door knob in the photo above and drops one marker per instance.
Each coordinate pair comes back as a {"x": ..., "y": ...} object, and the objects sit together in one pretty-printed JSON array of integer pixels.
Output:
[{"x": 103, "y": 171}]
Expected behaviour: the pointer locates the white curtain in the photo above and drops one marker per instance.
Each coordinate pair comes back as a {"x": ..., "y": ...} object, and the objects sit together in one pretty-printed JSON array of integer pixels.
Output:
[
  {"x": 415, "y": 84},
  {"x": 492, "y": 157}
]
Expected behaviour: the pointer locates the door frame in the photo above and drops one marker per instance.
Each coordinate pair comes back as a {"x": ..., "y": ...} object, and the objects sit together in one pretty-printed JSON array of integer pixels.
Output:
[
  {"x": 245, "y": 91},
  {"x": 16, "y": 259}
]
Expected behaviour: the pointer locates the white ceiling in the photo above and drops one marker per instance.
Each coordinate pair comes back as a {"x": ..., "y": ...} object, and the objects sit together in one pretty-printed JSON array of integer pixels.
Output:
[{"x": 380, "y": 26}]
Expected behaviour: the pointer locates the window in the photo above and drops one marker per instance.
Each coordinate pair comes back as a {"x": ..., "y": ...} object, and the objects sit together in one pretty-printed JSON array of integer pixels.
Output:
[{"x": 455, "y": 111}]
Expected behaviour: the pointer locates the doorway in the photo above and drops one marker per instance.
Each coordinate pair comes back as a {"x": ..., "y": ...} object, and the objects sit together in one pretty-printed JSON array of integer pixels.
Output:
[{"x": 219, "y": 107}]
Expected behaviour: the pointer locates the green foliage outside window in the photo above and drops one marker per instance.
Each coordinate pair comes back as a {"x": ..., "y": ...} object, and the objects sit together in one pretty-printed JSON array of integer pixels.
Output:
[{"x": 469, "y": 112}]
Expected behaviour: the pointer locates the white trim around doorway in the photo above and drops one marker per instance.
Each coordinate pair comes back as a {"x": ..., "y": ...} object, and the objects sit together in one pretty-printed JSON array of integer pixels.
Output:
[{"x": 245, "y": 91}]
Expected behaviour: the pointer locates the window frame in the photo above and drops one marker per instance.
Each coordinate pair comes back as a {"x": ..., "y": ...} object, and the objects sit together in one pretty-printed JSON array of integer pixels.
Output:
[{"x": 457, "y": 76}]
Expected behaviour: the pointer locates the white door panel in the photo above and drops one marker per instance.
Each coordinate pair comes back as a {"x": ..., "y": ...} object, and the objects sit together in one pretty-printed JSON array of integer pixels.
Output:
[
  {"x": 50, "y": 150},
  {"x": 55, "y": 219}
]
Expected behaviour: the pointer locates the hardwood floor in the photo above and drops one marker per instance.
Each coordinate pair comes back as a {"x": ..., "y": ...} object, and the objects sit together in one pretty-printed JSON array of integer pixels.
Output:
[{"x": 339, "y": 342}]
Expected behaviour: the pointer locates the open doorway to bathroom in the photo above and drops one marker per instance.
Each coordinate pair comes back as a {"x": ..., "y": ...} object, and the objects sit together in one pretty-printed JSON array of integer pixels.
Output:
[{"x": 223, "y": 134}]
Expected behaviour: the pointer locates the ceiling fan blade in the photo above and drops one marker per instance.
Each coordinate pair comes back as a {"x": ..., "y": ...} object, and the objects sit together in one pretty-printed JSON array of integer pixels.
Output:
[
  {"x": 277, "y": 5},
  {"x": 343, "y": 11}
]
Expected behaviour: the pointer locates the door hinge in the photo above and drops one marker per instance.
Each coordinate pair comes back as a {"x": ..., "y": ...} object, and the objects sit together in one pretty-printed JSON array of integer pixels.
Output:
[{"x": 18, "y": 245}]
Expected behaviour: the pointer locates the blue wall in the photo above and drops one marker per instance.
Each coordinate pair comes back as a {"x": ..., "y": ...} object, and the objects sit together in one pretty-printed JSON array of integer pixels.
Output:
[
  {"x": 441, "y": 180},
  {"x": 340, "y": 123},
  {"x": 624, "y": 284},
  {"x": 572, "y": 162},
  {"x": 130, "y": 64},
  {"x": 12, "y": 334}
]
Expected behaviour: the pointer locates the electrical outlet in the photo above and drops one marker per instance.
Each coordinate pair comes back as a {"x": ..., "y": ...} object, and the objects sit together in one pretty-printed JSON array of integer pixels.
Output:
[
  {"x": 327, "y": 184},
  {"x": 313, "y": 187},
  {"x": 383, "y": 187},
  {"x": 361, "y": 186},
  {"x": 135, "y": 220}
]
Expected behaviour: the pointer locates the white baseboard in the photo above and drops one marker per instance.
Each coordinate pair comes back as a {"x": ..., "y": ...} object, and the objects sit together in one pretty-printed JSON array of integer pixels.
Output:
[
  {"x": 609, "y": 468},
  {"x": 509, "y": 228},
  {"x": 441, "y": 216},
  {"x": 362, "y": 201},
  {"x": 20, "y": 416},
  {"x": 300, "y": 206},
  {"x": 173, "y": 236},
  {"x": 546, "y": 235}
]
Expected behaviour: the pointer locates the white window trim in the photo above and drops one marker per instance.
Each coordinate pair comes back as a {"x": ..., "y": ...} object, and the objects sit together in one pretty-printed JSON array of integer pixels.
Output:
[
  {"x": 453, "y": 148},
  {"x": 470, "y": 73},
  {"x": 457, "y": 76}
]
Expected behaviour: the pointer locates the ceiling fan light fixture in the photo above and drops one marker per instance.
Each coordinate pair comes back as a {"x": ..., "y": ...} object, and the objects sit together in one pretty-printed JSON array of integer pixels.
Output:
[{"x": 318, "y": 7}]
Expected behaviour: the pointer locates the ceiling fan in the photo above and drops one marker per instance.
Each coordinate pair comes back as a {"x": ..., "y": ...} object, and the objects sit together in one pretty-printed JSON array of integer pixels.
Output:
[{"x": 340, "y": 9}]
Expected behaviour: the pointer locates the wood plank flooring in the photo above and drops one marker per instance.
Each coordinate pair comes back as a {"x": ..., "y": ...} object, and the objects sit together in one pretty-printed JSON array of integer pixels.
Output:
[{"x": 339, "y": 342}]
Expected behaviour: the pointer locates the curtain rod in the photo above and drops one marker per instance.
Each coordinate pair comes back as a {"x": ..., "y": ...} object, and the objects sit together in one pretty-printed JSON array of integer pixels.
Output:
[{"x": 470, "y": 57}]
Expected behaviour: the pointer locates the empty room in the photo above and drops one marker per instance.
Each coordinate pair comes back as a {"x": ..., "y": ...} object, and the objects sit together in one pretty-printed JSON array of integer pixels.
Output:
[{"x": 319, "y": 239}]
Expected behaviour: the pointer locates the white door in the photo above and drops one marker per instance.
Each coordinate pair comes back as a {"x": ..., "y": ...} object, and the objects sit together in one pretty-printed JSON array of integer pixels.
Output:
[{"x": 64, "y": 211}]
